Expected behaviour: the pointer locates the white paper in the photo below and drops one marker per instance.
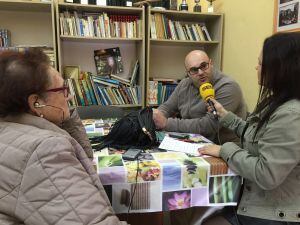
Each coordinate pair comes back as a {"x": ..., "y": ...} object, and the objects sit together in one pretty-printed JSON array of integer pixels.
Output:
[
  {"x": 172, "y": 144},
  {"x": 101, "y": 2}
]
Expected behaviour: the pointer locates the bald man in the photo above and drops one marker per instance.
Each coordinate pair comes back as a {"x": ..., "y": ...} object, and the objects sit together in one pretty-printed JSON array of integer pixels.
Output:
[{"x": 185, "y": 100}]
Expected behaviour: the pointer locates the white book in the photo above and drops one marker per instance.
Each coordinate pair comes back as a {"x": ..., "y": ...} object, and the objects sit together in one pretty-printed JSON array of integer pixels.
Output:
[
  {"x": 204, "y": 29},
  {"x": 153, "y": 28},
  {"x": 101, "y": 2}
]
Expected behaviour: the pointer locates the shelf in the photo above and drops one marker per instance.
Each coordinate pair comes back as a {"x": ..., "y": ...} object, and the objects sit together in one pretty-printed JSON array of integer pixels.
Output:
[
  {"x": 100, "y": 9},
  {"x": 122, "y": 106},
  {"x": 97, "y": 39},
  {"x": 188, "y": 16},
  {"x": 132, "y": 49},
  {"x": 165, "y": 57},
  {"x": 181, "y": 42},
  {"x": 128, "y": 106},
  {"x": 25, "y": 6}
]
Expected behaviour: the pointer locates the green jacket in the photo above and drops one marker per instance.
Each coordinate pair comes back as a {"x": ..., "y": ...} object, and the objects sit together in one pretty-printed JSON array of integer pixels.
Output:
[{"x": 269, "y": 164}]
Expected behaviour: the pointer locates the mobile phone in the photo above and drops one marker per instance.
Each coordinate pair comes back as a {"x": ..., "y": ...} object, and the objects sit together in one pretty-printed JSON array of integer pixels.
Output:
[
  {"x": 131, "y": 154},
  {"x": 179, "y": 136}
]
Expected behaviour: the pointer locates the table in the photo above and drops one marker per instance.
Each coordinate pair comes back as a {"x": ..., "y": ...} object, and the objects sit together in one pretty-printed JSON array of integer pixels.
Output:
[{"x": 163, "y": 181}]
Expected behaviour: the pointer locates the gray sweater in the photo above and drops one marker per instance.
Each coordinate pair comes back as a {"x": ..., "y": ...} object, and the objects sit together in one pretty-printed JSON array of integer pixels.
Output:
[{"x": 185, "y": 100}]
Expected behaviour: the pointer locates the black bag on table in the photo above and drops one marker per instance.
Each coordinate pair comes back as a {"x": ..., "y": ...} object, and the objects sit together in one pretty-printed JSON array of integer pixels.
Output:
[{"x": 135, "y": 130}]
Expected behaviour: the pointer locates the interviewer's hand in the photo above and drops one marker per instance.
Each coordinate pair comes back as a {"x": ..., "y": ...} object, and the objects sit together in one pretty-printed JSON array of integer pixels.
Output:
[
  {"x": 219, "y": 108},
  {"x": 213, "y": 150},
  {"x": 159, "y": 119}
]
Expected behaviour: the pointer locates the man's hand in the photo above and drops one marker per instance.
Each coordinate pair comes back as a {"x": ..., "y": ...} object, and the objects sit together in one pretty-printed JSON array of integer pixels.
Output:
[
  {"x": 159, "y": 119},
  {"x": 213, "y": 150}
]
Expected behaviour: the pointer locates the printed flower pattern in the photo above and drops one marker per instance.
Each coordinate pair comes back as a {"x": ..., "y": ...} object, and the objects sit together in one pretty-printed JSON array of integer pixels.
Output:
[
  {"x": 147, "y": 171},
  {"x": 179, "y": 201},
  {"x": 194, "y": 172}
]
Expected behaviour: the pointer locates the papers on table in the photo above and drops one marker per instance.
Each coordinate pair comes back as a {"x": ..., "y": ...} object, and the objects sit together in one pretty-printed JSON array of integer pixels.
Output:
[{"x": 172, "y": 144}]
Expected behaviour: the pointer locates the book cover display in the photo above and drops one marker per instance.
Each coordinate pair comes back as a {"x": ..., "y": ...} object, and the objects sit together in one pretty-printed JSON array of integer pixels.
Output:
[{"x": 108, "y": 61}]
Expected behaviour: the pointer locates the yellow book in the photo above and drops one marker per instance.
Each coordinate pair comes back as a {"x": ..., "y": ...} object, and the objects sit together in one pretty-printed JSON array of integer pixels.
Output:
[{"x": 199, "y": 30}]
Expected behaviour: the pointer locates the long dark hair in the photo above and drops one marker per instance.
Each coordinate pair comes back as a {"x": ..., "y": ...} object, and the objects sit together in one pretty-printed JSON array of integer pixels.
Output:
[{"x": 280, "y": 74}]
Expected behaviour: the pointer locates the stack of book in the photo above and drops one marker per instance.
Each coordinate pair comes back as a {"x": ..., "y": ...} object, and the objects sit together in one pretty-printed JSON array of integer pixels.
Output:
[
  {"x": 89, "y": 89},
  {"x": 160, "y": 89},
  {"x": 100, "y": 25},
  {"x": 101, "y": 2},
  {"x": 163, "y": 28}
]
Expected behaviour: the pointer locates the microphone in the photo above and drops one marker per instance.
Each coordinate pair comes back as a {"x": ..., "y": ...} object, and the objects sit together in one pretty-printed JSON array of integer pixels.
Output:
[
  {"x": 38, "y": 105},
  {"x": 207, "y": 92}
]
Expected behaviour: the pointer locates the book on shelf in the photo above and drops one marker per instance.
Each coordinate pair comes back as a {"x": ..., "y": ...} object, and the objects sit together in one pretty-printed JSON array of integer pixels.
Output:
[
  {"x": 160, "y": 89},
  {"x": 162, "y": 27},
  {"x": 71, "y": 72},
  {"x": 101, "y": 25},
  {"x": 108, "y": 61},
  {"x": 5, "y": 39},
  {"x": 135, "y": 73},
  {"x": 153, "y": 92},
  {"x": 73, "y": 101},
  {"x": 105, "y": 82},
  {"x": 206, "y": 33},
  {"x": 166, "y": 80},
  {"x": 89, "y": 89},
  {"x": 121, "y": 79},
  {"x": 85, "y": 78},
  {"x": 129, "y": 82}
]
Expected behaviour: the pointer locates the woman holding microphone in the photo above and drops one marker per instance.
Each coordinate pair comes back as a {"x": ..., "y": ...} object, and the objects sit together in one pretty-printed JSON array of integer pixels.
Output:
[{"x": 269, "y": 155}]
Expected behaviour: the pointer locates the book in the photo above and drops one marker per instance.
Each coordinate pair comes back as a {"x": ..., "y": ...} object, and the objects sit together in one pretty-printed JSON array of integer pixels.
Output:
[
  {"x": 200, "y": 32},
  {"x": 153, "y": 92},
  {"x": 205, "y": 32},
  {"x": 103, "y": 82},
  {"x": 108, "y": 61},
  {"x": 71, "y": 72},
  {"x": 121, "y": 79},
  {"x": 134, "y": 74},
  {"x": 73, "y": 101}
]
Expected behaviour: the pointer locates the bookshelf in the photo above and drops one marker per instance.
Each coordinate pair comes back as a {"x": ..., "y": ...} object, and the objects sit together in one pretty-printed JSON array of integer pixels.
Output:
[
  {"x": 165, "y": 57},
  {"x": 30, "y": 24},
  {"x": 79, "y": 49}
]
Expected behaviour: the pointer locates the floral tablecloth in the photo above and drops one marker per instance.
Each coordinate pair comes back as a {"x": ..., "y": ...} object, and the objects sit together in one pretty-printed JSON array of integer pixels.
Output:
[{"x": 162, "y": 181}]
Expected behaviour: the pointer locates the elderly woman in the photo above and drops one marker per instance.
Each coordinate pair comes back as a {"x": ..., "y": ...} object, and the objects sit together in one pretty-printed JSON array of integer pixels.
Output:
[{"x": 46, "y": 174}]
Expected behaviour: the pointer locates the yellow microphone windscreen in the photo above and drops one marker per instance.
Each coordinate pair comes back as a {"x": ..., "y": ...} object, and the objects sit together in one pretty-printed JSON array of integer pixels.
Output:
[{"x": 206, "y": 91}]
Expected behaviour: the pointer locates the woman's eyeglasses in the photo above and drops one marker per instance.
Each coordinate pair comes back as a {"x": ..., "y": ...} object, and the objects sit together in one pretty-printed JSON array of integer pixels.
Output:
[
  {"x": 64, "y": 88},
  {"x": 195, "y": 70}
]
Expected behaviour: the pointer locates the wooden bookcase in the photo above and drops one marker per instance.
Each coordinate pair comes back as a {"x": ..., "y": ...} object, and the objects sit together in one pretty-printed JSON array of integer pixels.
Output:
[
  {"x": 79, "y": 50},
  {"x": 33, "y": 23},
  {"x": 165, "y": 58},
  {"x": 30, "y": 23}
]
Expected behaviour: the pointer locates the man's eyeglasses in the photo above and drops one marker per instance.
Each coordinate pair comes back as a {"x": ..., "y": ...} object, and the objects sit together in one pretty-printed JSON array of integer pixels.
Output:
[
  {"x": 64, "y": 88},
  {"x": 203, "y": 66}
]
